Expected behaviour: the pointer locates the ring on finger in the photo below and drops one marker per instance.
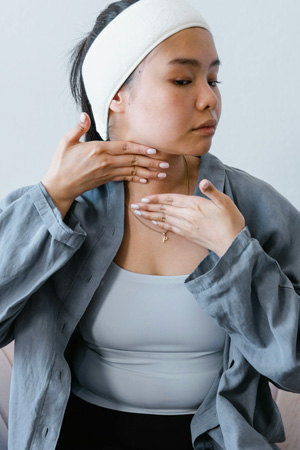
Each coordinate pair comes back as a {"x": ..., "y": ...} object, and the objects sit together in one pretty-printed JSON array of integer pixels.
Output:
[{"x": 163, "y": 219}]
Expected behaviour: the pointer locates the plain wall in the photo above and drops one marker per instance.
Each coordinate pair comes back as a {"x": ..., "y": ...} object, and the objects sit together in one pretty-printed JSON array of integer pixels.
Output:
[{"x": 258, "y": 44}]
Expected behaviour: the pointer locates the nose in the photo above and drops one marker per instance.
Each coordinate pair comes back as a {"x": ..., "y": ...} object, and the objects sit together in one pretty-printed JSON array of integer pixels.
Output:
[{"x": 207, "y": 97}]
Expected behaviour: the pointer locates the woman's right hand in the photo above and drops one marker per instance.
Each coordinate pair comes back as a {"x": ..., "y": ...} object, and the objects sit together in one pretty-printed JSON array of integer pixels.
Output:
[{"x": 79, "y": 166}]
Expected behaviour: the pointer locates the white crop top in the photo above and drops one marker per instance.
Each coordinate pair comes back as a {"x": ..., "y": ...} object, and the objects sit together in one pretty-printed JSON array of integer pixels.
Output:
[{"x": 146, "y": 346}]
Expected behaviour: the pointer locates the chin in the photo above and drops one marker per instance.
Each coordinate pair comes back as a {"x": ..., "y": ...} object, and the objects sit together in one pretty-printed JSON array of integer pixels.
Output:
[{"x": 197, "y": 149}]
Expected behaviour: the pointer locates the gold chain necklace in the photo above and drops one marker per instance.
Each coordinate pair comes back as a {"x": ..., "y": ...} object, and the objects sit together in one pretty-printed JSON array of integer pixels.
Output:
[{"x": 164, "y": 233}]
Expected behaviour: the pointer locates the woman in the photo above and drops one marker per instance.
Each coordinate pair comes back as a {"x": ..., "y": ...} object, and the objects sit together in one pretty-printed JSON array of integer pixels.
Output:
[{"x": 99, "y": 277}]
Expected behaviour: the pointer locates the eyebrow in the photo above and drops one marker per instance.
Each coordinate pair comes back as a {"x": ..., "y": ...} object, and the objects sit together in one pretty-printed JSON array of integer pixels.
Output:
[{"x": 193, "y": 62}]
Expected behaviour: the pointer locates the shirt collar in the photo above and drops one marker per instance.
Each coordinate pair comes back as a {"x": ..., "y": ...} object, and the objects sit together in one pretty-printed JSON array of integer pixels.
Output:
[{"x": 212, "y": 169}]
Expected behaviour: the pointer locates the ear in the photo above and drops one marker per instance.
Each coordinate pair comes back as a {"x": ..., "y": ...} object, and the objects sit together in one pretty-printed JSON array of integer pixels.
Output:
[{"x": 118, "y": 102}]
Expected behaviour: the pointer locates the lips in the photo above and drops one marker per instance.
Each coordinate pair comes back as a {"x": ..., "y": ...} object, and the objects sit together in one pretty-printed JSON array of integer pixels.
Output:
[{"x": 207, "y": 125}]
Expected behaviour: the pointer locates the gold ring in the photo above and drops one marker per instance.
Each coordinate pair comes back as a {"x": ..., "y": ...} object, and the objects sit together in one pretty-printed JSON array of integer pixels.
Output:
[{"x": 163, "y": 219}]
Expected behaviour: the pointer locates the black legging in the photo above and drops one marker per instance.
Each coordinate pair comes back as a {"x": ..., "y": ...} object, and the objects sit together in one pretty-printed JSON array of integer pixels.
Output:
[{"x": 89, "y": 427}]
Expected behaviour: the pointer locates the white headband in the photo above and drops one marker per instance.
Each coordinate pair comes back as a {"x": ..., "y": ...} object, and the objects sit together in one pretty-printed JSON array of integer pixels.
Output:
[{"x": 124, "y": 43}]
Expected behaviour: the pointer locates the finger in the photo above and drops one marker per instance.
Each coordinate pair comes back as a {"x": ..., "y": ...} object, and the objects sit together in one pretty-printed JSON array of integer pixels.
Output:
[
  {"x": 131, "y": 179},
  {"x": 141, "y": 161},
  {"x": 168, "y": 227},
  {"x": 125, "y": 154},
  {"x": 208, "y": 189},
  {"x": 178, "y": 200},
  {"x": 135, "y": 155},
  {"x": 132, "y": 148},
  {"x": 80, "y": 129},
  {"x": 128, "y": 173},
  {"x": 167, "y": 210},
  {"x": 179, "y": 220},
  {"x": 128, "y": 148},
  {"x": 177, "y": 225}
]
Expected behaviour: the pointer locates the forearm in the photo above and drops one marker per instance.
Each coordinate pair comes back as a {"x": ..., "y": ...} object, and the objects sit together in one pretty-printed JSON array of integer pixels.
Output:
[
  {"x": 34, "y": 243},
  {"x": 254, "y": 301}
]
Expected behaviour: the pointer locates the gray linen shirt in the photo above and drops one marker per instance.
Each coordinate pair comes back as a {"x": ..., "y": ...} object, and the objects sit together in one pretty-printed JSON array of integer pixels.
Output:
[{"x": 51, "y": 268}]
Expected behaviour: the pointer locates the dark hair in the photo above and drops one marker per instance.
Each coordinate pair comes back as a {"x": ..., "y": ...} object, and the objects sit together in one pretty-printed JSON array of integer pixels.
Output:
[{"x": 77, "y": 57}]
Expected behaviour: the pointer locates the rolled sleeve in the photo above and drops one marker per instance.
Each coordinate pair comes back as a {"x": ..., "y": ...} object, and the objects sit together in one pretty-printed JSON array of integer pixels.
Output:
[
  {"x": 70, "y": 234},
  {"x": 252, "y": 299},
  {"x": 213, "y": 269}
]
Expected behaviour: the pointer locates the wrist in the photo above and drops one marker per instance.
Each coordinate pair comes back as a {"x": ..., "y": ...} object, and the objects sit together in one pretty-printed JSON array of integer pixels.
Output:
[
  {"x": 62, "y": 203},
  {"x": 226, "y": 243}
]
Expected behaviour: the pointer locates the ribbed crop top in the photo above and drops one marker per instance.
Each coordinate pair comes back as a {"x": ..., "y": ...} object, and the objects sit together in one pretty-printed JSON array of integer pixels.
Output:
[{"x": 146, "y": 346}]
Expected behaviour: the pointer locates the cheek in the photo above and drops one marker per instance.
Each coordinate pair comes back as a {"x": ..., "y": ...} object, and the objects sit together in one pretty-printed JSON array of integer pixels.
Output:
[
  {"x": 219, "y": 106},
  {"x": 158, "y": 109},
  {"x": 171, "y": 111}
]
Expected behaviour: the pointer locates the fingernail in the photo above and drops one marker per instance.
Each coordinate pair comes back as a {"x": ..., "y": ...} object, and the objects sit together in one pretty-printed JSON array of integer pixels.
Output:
[
  {"x": 162, "y": 175},
  {"x": 82, "y": 118},
  {"x": 138, "y": 213},
  {"x": 145, "y": 200},
  {"x": 143, "y": 180},
  {"x": 154, "y": 222},
  {"x": 206, "y": 184},
  {"x": 164, "y": 165},
  {"x": 134, "y": 206},
  {"x": 151, "y": 151}
]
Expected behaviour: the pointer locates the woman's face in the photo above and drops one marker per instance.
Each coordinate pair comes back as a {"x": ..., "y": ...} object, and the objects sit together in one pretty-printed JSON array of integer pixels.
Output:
[{"x": 173, "y": 93}]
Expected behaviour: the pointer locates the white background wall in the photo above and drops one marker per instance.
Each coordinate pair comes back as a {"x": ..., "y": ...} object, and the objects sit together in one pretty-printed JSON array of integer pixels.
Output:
[{"x": 258, "y": 44}]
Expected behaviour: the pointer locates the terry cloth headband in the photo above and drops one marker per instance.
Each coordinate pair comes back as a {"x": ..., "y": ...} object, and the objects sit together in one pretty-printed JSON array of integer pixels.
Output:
[{"x": 124, "y": 43}]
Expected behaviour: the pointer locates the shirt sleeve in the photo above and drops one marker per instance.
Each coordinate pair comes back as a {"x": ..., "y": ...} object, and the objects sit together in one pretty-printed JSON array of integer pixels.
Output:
[
  {"x": 253, "y": 291},
  {"x": 34, "y": 243}
]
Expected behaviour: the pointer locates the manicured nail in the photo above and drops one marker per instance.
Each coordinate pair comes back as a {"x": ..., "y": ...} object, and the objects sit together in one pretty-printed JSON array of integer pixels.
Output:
[
  {"x": 145, "y": 200},
  {"x": 206, "y": 184},
  {"x": 134, "y": 206},
  {"x": 164, "y": 165},
  {"x": 151, "y": 151},
  {"x": 154, "y": 222},
  {"x": 82, "y": 118},
  {"x": 143, "y": 180},
  {"x": 162, "y": 175},
  {"x": 138, "y": 213}
]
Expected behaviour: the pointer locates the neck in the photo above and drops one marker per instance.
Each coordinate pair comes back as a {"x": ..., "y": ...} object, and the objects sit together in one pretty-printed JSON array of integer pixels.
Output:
[{"x": 175, "y": 182}]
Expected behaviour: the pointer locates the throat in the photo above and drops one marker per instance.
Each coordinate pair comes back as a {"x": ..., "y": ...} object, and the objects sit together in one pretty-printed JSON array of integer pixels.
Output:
[
  {"x": 180, "y": 180},
  {"x": 145, "y": 248}
]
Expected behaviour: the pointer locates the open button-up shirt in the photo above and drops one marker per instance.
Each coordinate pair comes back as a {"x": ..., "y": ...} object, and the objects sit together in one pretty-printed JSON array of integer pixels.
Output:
[{"x": 50, "y": 269}]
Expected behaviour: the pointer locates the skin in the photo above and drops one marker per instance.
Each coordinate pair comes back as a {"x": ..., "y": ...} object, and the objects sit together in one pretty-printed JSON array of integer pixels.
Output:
[
  {"x": 80, "y": 166},
  {"x": 168, "y": 103},
  {"x": 161, "y": 109},
  {"x": 169, "y": 100}
]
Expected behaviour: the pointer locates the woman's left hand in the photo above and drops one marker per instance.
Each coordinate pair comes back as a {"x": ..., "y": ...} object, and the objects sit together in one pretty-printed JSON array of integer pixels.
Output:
[{"x": 212, "y": 224}]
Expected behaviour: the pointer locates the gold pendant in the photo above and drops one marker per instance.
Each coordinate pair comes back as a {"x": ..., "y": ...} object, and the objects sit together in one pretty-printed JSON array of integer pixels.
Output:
[{"x": 165, "y": 238}]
